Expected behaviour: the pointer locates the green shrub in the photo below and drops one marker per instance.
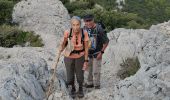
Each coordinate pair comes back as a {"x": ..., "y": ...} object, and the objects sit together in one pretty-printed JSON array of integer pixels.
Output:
[
  {"x": 64, "y": 1},
  {"x": 107, "y": 4},
  {"x": 6, "y": 9},
  {"x": 11, "y": 35},
  {"x": 71, "y": 7},
  {"x": 114, "y": 19},
  {"x": 135, "y": 13},
  {"x": 128, "y": 67},
  {"x": 153, "y": 11}
]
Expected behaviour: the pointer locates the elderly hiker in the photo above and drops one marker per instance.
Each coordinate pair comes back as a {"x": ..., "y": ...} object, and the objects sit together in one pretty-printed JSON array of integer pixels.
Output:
[
  {"x": 99, "y": 42},
  {"x": 75, "y": 59}
]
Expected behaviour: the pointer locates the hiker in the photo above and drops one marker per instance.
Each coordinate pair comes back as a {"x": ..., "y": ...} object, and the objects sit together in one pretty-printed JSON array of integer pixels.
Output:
[
  {"x": 99, "y": 42},
  {"x": 77, "y": 60}
]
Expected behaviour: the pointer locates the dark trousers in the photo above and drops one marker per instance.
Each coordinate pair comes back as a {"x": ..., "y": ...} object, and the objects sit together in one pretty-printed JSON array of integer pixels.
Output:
[{"x": 74, "y": 67}]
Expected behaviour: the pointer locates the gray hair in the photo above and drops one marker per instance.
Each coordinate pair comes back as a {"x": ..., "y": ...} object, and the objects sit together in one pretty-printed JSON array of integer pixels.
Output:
[{"x": 76, "y": 18}]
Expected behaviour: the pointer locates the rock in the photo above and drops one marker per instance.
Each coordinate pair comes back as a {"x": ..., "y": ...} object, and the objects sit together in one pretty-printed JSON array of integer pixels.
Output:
[
  {"x": 22, "y": 77},
  {"x": 151, "y": 82},
  {"x": 44, "y": 17},
  {"x": 24, "y": 71},
  {"x": 154, "y": 58}
]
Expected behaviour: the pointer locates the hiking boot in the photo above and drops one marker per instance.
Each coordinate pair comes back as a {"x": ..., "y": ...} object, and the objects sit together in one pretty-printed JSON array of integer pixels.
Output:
[
  {"x": 80, "y": 93},
  {"x": 88, "y": 86},
  {"x": 97, "y": 87},
  {"x": 73, "y": 92}
]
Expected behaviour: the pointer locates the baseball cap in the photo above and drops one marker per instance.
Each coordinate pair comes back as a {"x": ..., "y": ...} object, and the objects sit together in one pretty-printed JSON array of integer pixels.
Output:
[{"x": 88, "y": 17}]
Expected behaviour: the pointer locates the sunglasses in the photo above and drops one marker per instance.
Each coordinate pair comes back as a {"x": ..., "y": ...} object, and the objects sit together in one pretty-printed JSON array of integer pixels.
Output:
[{"x": 76, "y": 40}]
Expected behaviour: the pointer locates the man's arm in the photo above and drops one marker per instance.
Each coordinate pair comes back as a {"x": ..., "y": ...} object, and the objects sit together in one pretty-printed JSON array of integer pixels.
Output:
[
  {"x": 104, "y": 47},
  {"x": 105, "y": 41},
  {"x": 86, "y": 50}
]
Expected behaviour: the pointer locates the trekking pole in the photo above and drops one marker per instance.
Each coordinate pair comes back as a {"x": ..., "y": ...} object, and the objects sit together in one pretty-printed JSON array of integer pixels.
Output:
[{"x": 52, "y": 79}]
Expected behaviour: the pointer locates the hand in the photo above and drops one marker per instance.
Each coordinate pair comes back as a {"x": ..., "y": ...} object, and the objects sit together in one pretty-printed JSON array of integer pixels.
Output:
[
  {"x": 99, "y": 56},
  {"x": 61, "y": 50},
  {"x": 53, "y": 66},
  {"x": 85, "y": 66}
]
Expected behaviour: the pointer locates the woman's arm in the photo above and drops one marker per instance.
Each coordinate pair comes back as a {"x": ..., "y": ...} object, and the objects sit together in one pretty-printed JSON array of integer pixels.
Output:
[
  {"x": 63, "y": 44},
  {"x": 64, "y": 41}
]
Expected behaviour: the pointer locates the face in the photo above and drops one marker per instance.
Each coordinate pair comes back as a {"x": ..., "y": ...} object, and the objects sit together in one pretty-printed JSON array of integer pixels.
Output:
[
  {"x": 75, "y": 24},
  {"x": 89, "y": 23}
]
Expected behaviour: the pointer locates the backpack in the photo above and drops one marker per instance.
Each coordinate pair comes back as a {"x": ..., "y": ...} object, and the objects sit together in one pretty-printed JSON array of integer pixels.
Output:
[{"x": 102, "y": 25}]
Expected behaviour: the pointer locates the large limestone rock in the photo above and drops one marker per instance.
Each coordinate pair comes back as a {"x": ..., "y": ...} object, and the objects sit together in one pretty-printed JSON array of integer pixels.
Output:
[
  {"x": 25, "y": 71},
  {"x": 151, "y": 82},
  {"x": 48, "y": 18},
  {"x": 23, "y": 75}
]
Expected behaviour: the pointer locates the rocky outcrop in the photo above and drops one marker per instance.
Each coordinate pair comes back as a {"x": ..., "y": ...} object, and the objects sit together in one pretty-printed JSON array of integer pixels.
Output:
[
  {"x": 25, "y": 71},
  {"x": 48, "y": 18},
  {"x": 151, "y": 82},
  {"x": 23, "y": 76}
]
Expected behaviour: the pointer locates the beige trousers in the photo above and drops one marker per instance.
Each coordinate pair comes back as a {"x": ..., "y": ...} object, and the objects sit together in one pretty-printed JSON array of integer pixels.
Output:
[{"x": 94, "y": 71}]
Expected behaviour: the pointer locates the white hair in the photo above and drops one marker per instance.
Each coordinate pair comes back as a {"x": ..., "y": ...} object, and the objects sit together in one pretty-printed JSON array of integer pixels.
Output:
[{"x": 76, "y": 18}]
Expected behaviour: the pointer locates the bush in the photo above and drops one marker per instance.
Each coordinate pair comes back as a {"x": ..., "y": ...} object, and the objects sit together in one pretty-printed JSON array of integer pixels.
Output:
[
  {"x": 129, "y": 67},
  {"x": 107, "y": 4},
  {"x": 113, "y": 19},
  {"x": 135, "y": 13},
  {"x": 64, "y": 1},
  {"x": 71, "y": 7},
  {"x": 6, "y": 9},
  {"x": 153, "y": 11},
  {"x": 11, "y": 36}
]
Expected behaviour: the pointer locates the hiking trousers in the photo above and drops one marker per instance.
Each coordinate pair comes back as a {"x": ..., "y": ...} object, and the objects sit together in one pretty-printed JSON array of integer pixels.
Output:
[
  {"x": 94, "y": 71},
  {"x": 74, "y": 67}
]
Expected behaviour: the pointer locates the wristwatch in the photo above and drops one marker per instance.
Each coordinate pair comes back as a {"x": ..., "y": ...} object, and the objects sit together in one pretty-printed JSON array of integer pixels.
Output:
[{"x": 102, "y": 51}]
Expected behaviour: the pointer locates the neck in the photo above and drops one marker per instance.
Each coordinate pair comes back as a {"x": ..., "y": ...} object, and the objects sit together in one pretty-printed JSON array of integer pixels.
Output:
[
  {"x": 77, "y": 32},
  {"x": 94, "y": 25}
]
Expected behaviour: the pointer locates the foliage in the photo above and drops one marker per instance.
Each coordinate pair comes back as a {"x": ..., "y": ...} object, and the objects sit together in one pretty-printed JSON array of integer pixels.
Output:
[
  {"x": 78, "y": 5},
  {"x": 113, "y": 19},
  {"x": 10, "y": 36},
  {"x": 135, "y": 13},
  {"x": 6, "y": 8},
  {"x": 128, "y": 67},
  {"x": 153, "y": 11}
]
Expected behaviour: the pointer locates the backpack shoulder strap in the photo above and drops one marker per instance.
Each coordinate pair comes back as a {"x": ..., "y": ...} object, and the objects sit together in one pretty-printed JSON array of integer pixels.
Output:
[
  {"x": 82, "y": 38},
  {"x": 97, "y": 28},
  {"x": 82, "y": 32},
  {"x": 70, "y": 34}
]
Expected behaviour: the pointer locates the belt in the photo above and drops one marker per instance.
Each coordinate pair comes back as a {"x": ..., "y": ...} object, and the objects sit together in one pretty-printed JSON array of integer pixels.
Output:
[{"x": 77, "y": 51}]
